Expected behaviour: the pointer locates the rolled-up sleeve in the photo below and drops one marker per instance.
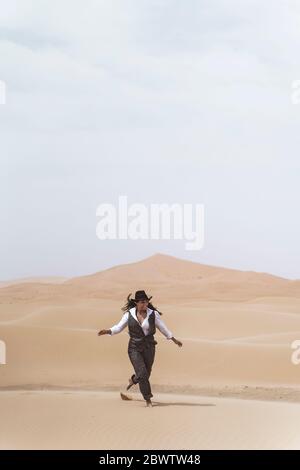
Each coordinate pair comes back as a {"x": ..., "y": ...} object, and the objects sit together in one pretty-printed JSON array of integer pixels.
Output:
[
  {"x": 162, "y": 327},
  {"x": 115, "y": 329}
]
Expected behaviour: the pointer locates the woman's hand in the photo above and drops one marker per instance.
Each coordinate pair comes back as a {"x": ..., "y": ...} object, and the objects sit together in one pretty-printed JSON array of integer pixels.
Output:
[
  {"x": 176, "y": 341},
  {"x": 104, "y": 332}
]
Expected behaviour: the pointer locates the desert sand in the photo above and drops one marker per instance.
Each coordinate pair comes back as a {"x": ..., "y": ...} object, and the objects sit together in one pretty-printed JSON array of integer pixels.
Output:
[
  {"x": 60, "y": 386},
  {"x": 98, "y": 420}
]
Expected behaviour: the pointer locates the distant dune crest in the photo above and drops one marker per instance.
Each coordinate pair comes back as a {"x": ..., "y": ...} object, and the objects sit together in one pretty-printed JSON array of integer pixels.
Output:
[{"x": 164, "y": 276}]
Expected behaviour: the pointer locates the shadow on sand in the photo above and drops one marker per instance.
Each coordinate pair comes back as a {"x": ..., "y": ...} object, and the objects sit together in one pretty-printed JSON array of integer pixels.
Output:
[{"x": 180, "y": 403}]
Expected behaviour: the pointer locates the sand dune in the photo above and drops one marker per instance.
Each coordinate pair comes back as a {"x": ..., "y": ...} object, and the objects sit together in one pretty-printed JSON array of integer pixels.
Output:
[
  {"x": 168, "y": 278},
  {"x": 62, "y": 356},
  {"x": 237, "y": 329},
  {"x": 38, "y": 280},
  {"x": 100, "y": 420}
]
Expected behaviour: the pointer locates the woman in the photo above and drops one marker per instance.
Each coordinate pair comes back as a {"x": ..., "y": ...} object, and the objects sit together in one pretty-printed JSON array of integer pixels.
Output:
[{"x": 142, "y": 319}]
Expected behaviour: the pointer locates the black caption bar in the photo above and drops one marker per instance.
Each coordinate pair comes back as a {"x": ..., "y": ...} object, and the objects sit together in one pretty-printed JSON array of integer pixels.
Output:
[{"x": 132, "y": 459}]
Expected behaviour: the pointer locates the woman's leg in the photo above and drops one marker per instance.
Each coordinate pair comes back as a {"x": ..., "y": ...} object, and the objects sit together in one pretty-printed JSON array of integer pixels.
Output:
[
  {"x": 149, "y": 355},
  {"x": 141, "y": 363}
]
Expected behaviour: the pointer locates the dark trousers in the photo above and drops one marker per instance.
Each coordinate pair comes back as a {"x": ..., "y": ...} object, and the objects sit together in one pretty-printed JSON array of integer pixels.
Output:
[{"x": 142, "y": 358}]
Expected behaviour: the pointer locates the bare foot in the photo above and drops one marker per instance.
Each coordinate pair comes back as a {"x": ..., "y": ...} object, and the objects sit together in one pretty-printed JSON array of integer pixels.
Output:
[{"x": 149, "y": 403}]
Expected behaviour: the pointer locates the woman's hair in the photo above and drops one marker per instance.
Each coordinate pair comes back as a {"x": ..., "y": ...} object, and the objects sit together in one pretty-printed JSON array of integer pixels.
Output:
[{"x": 131, "y": 303}]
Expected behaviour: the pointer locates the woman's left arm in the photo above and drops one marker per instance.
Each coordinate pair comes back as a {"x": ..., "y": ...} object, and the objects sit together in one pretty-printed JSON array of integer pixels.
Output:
[{"x": 164, "y": 330}]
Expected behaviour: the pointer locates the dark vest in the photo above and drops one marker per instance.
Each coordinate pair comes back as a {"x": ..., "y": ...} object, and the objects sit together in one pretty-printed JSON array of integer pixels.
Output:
[{"x": 136, "y": 332}]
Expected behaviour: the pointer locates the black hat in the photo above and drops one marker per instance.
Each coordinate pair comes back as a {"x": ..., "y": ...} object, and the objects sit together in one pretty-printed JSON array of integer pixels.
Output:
[{"x": 141, "y": 295}]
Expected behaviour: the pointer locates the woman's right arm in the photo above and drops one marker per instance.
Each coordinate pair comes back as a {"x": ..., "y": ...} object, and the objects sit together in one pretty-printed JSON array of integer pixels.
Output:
[{"x": 114, "y": 330}]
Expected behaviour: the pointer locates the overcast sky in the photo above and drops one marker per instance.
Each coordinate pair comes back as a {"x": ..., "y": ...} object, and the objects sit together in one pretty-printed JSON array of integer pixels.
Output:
[{"x": 163, "y": 101}]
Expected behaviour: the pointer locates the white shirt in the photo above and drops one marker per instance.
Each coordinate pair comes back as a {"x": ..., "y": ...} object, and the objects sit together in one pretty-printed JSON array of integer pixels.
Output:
[{"x": 145, "y": 324}]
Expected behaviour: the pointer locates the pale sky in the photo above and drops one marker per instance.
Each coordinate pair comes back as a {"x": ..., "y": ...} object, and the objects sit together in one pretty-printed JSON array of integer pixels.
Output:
[{"x": 162, "y": 101}]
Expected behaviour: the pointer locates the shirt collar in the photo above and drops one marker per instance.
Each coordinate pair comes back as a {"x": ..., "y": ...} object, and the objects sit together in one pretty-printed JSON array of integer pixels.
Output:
[{"x": 132, "y": 311}]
